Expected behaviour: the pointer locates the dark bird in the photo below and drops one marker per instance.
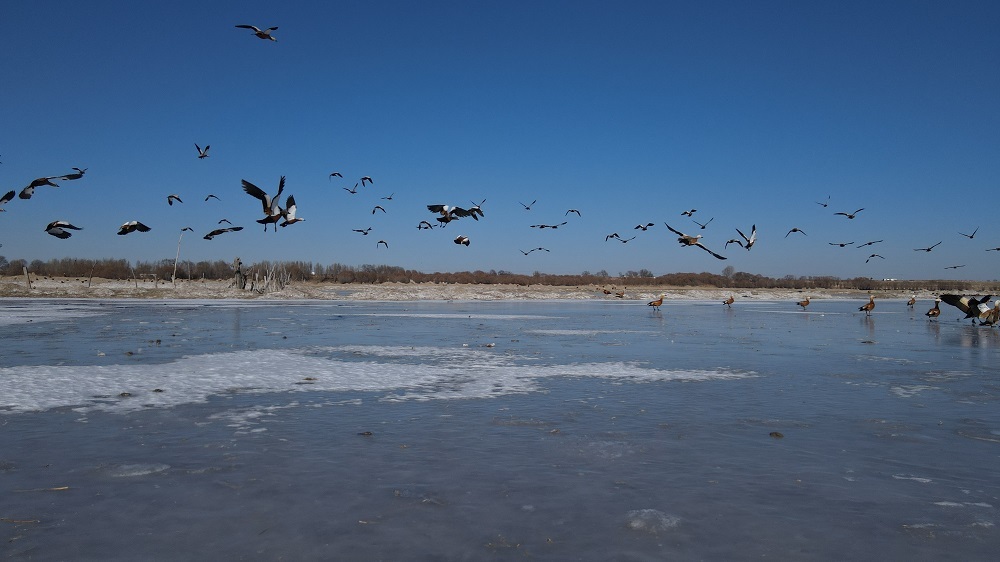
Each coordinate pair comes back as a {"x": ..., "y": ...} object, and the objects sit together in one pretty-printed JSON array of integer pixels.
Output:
[
  {"x": 573, "y": 211},
  {"x": 841, "y": 244},
  {"x": 873, "y": 256},
  {"x": 968, "y": 305},
  {"x": 612, "y": 235},
  {"x": 643, "y": 227},
  {"x": 732, "y": 241},
  {"x": 462, "y": 240},
  {"x": 449, "y": 213},
  {"x": 389, "y": 197},
  {"x": 363, "y": 231},
  {"x": 824, "y": 205},
  {"x": 210, "y": 196},
  {"x": 424, "y": 225},
  {"x": 686, "y": 240},
  {"x": 703, "y": 225},
  {"x": 378, "y": 208},
  {"x": 748, "y": 242},
  {"x": 132, "y": 226},
  {"x": 851, "y": 215},
  {"x": 58, "y": 229},
  {"x": 795, "y": 229},
  {"x": 927, "y": 249},
  {"x": 954, "y": 266},
  {"x": 28, "y": 191},
  {"x": 202, "y": 153},
  {"x": 532, "y": 250},
  {"x": 382, "y": 242},
  {"x": 970, "y": 236},
  {"x": 79, "y": 174},
  {"x": 5, "y": 199},
  {"x": 997, "y": 249},
  {"x": 688, "y": 213},
  {"x": 224, "y": 221},
  {"x": 351, "y": 191},
  {"x": 868, "y": 307},
  {"x": 934, "y": 312},
  {"x": 548, "y": 225},
  {"x": 289, "y": 213},
  {"x": 338, "y": 174},
  {"x": 366, "y": 179},
  {"x": 528, "y": 206},
  {"x": 219, "y": 231},
  {"x": 272, "y": 211},
  {"x": 625, "y": 240},
  {"x": 870, "y": 243},
  {"x": 171, "y": 198},
  {"x": 187, "y": 229},
  {"x": 263, "y": 34}
]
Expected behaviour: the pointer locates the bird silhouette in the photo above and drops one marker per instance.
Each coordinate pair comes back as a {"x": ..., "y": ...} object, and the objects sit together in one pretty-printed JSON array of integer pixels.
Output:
[{"x": 263, "y": 34}]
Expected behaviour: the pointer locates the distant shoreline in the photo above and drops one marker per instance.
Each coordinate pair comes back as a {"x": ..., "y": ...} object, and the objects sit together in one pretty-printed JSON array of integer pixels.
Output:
[{"x": 70, "y": 288}]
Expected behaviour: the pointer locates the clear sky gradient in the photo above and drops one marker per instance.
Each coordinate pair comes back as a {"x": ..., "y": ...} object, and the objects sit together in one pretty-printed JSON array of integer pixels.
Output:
[{"x": 631, "y": 112}]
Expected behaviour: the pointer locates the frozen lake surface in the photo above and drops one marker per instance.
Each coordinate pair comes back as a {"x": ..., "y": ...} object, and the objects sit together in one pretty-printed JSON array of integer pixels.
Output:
[{"x": 597, "y": 430}]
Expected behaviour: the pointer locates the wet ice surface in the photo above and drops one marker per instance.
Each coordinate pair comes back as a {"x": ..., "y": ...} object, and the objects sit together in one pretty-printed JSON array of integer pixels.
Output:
[{"x": 597, "y": 430}]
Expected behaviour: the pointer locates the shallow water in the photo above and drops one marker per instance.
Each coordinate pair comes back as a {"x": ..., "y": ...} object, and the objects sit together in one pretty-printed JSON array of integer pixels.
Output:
[{"x": 471, "y": 430}]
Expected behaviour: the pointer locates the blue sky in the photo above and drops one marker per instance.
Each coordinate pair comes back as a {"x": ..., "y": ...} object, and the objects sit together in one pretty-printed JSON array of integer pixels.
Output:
[{"x": 749, "y": 112}]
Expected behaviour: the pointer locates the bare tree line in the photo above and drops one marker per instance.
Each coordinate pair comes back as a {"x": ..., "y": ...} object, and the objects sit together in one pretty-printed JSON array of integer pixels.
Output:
[{"x": 285, "y": 272}]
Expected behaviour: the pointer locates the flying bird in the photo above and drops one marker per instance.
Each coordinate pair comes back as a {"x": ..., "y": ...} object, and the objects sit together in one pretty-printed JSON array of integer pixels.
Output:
[
  {"x": 338, "y": 174},
  {"x": 219, "y": 231},
  {"x": 686, "y": 240},
  {"x": 824, "y": 205},
  {"x": 363, "y": 231},
  {"x": 528, "y": 206},
  {"x": 548, "y": 225},
  {"x": 202, "y": 153},
  {"x": 927, "y": 249},
  {"x": 187, "y": 228},
  {"x": 748, "y": 242},
  {"x": 389, "y": 198},
  {"x": 873, "y": 256},
  {"x": 366, "y": 179},
  {"x": 870, "y": 243},
  {"x": 970, "y": 236},
  {"x": 5, "y": 199},
  {"x": 841, "y": 244},
  {"x": 79, "y": 174},
  {"x": 732, "y": 241},
  {"x": 795, "y": 229},
  {"x": 58, "y": 229},
  {"x": 210, "y": 196},
  {"x": 382, "y": 242},
  {"x": 851, "y": 215},
  {"x": 28, "y": 191},
  {"x": 643, "y": 227},
  {"x": 132, "y": 226},
  {"x": 624, "y": 240},
  {"x": 171, "y": 198},
  {"x": 462, "y": 240},
  {"x": 703, "y": 225},
  {"x": 688, "y": 213},
  {"x": 424, "y": 225},
  {"x": 968, "y": 305},
  {"x": 449, "y": 213},
  {"x": 573, "y": 211},
  {"x": 224, "y": 221},
  {"x": 272, "y": 211},
  {"x": 263, "y": 34},
  {"x": 378, "y": 208},
  {"x": 954, "y": 266},
  {"x": 997, "y": 249},
  {"x": 289, "y": 212},
  {"x": 352, "y": 191},
  {"x": 612, "y": 235}
]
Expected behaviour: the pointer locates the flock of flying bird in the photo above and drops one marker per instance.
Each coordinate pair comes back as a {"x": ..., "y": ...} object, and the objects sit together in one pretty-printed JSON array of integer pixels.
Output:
[{"x": 276, "y": 215}]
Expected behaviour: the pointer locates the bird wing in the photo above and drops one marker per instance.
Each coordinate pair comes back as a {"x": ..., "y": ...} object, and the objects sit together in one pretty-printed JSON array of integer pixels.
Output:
[
  {"x": 679, "y": 233},
  {"x": 257, "y": 192},
  {"x": 253, "y": 27},
  {"x": 460, "y": 212},
  {"x": 709, "y": 251},
  {"x": 435, "y": 208},
  {"x": 963, "y": 303},
  {"x": 141, "y": 227},
  {"x": 7, "y": 197},
  {"x": 290, "y": 208}
]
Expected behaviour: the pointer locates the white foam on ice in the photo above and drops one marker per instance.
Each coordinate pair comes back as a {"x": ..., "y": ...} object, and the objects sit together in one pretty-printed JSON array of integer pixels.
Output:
[{"x": 398, "y": 373}]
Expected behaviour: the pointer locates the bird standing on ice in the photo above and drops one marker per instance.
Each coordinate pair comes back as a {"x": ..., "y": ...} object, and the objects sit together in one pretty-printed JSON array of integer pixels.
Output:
[
  {"x": 729, "y": 302},
  {"x": 656, "y": 304},
  {"x": 804, "y": 303},
  {"x": 934, "y": 312},
  {"x": 869, "y": 306}
]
